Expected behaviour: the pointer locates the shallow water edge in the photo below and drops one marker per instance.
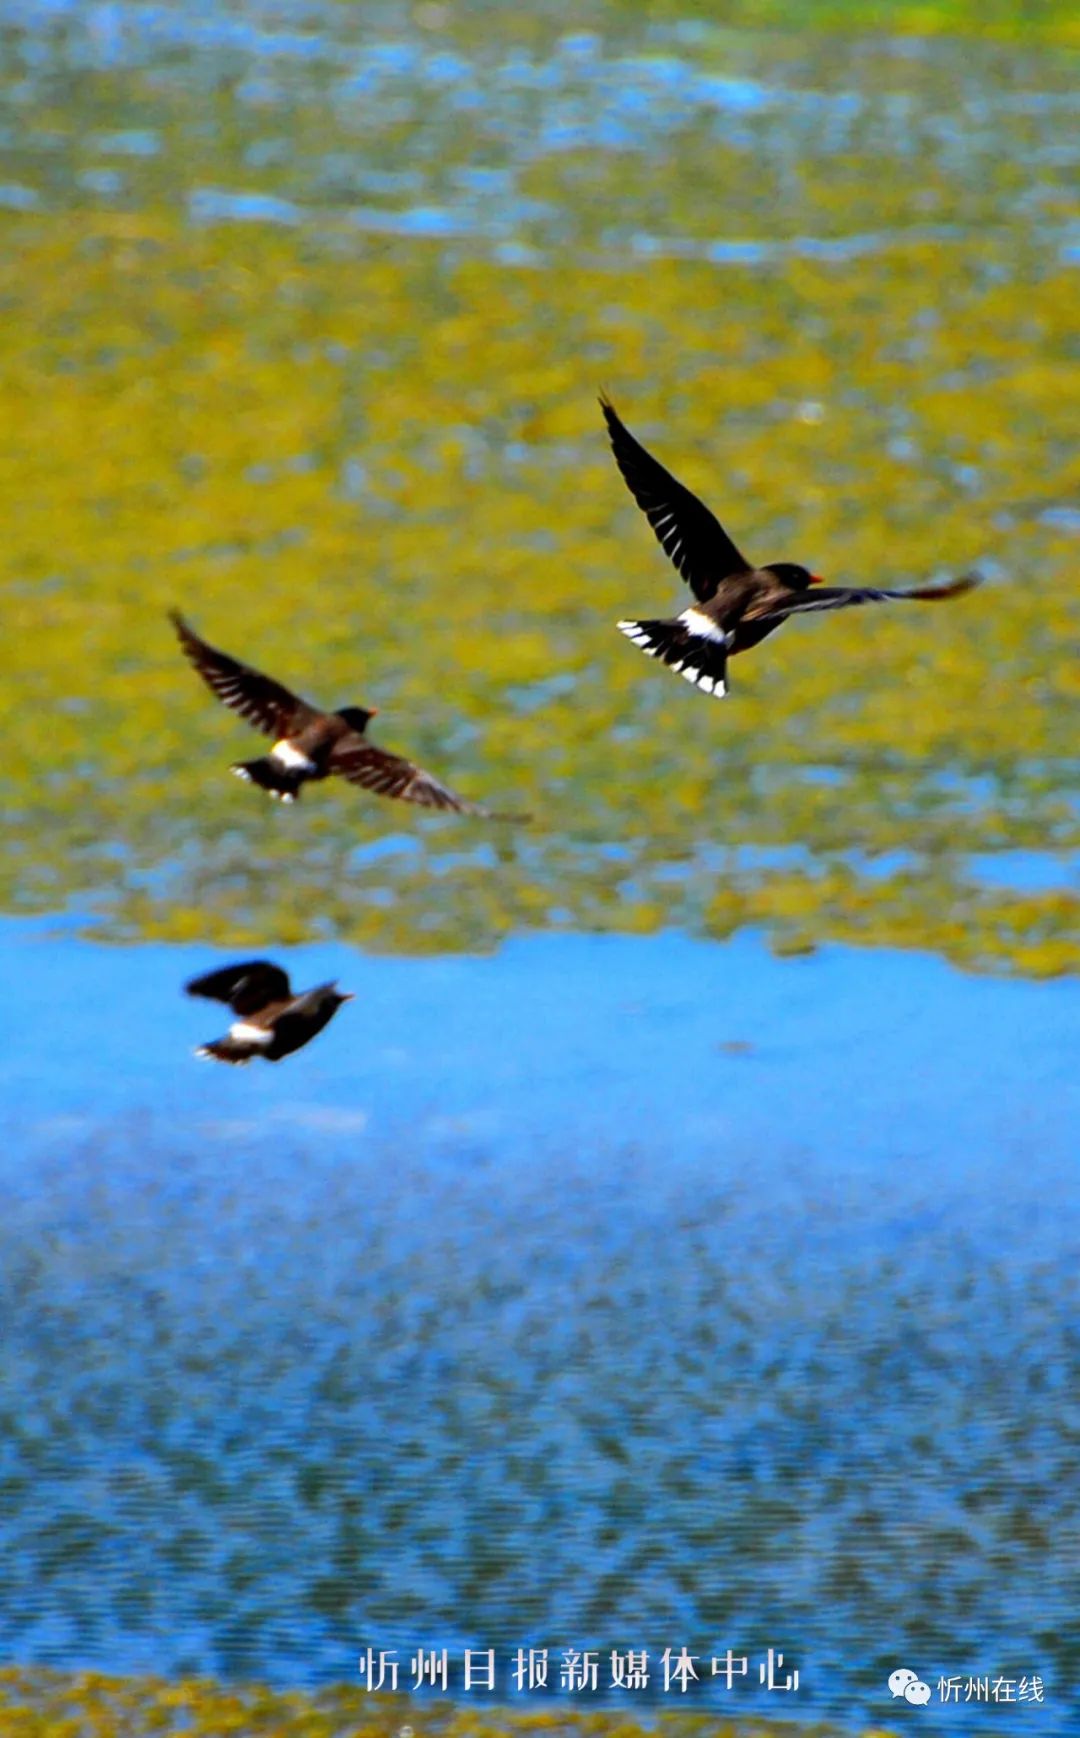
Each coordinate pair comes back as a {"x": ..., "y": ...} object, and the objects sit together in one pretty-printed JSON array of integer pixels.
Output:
[{"x": 110, "y": 1707}]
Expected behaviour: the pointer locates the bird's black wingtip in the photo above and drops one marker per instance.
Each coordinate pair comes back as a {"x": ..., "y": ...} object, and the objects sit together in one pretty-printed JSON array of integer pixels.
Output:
[
  {"x": 953, "y": 587},
  {"x": 208, "y": 985}
]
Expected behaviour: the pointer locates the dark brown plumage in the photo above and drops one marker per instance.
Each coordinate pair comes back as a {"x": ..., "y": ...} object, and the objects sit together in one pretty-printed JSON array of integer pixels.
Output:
[
  {"x": 737, "y": 604},
  {"x": 271, "y": 1022},
  {"x": 309, "y": 744}
]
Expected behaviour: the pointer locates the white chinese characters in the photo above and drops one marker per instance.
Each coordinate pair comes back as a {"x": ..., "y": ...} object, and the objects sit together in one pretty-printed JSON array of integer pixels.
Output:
[
  {"x": 958, "y": 1688},
  {"x": 574, "y": 1671}
]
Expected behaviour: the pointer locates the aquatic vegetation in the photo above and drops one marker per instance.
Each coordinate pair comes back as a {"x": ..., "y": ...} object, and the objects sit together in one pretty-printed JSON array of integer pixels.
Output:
[
  {"x": 1049, "y": 20},
  {"x": 42, "y": 1704},
  {"x": 359, "y": 425}
]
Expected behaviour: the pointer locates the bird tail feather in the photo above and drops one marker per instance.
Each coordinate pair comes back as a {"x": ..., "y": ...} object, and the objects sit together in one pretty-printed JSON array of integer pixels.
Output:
[
  {"x": 282, "y": 782},
  {"x": 692, "y": 656},
  {"x": 228, "y": 1050}
]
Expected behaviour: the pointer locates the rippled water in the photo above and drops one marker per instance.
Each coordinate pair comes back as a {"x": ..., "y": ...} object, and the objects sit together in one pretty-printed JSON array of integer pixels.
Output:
[
  {"x": 527, "y": 93},
  {"x": 616, "y": 1290},
  {"x": 610, "y": 1293}
]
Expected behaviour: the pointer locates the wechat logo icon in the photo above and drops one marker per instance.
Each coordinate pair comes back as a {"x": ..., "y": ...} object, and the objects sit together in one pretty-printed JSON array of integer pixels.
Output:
[{"x": 904, "y": 1682}]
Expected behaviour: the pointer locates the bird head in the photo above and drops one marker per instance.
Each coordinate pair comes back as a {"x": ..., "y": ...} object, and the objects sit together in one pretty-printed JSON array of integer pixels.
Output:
[
  {"x": 329, "y": 996},
  {"x": 358, "y": 717},
  {"x": 791, "y": 574}
]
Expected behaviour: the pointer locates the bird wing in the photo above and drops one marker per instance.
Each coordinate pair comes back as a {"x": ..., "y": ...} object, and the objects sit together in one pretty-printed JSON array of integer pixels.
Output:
[
  {"x": 247, "y": 987},
  {"x": 690, "y": 536},
  {"x": 304, "y": 1018},
  {"x": 264, "y": 703},
  {"x": 836, "y": 597},
  {"x": 391, "y": 775}
]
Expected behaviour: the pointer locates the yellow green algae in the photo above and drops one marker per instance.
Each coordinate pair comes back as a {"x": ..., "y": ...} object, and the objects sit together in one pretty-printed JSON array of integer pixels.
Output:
[
  {"x": 46, "y": 1704},
  {"x": 1008, "y": 20},
  {"x": 373, "y": 464}
]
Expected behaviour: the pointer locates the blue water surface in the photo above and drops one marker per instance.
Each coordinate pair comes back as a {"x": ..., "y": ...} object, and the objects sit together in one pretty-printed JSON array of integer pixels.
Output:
[{"x": 603, "y": 1292}]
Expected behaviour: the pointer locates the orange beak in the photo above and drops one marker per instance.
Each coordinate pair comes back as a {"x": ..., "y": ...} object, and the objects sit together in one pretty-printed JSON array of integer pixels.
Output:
[{"x": 816, "y": 579}]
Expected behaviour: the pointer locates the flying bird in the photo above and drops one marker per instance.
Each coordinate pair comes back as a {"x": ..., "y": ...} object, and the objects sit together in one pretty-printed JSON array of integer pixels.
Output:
[
  {"x": 736, "y": 604},
  {"x": 271, "y": 1022},
  {"x": 309, "y": 744}
]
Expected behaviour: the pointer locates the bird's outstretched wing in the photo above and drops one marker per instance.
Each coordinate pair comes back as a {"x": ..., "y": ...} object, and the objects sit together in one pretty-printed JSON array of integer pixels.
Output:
[
  {"x": 690, "y": 536},
  {"x": 246, "y": 987},
  {"x": 304, "y": 1019},
  {"x": 263, "y": 702},
  {"x": 391, "y": 775},
  {"x": 836, "y": 597}
]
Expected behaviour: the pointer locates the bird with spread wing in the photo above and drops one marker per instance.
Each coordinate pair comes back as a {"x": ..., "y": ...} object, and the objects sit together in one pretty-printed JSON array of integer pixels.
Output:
[
  {"x": 736, "y": 604},
  {"x": 271, "y": 1020},
  {"x": 310, "y": 744}
]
